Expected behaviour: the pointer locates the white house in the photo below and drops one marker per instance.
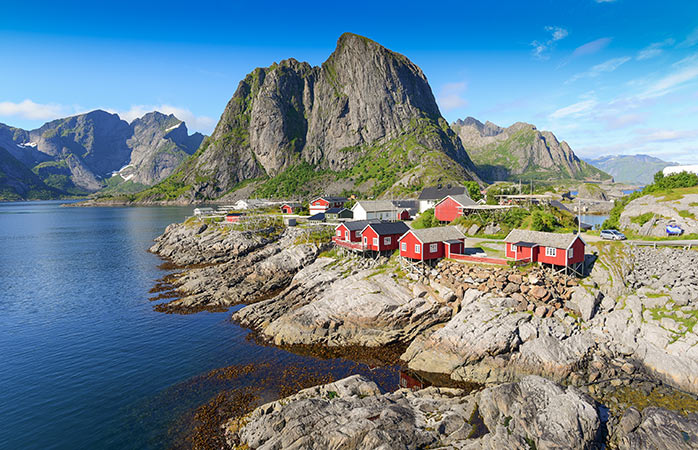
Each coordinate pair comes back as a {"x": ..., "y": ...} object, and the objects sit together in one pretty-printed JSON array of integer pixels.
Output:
[
  {"x": 671, "y": 170},
  {"x": 430, "y": 196},
  {"x": 374, "y": 209}
]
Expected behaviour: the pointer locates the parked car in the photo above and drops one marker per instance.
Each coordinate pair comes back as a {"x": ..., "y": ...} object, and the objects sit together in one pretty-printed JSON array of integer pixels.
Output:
[
  {"x": 674, "y": 230},
  {"x": 612, "y": 235}
]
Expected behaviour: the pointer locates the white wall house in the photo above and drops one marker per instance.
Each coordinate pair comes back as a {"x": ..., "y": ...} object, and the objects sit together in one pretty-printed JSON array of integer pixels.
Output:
[{"x": 374, "y": 209}]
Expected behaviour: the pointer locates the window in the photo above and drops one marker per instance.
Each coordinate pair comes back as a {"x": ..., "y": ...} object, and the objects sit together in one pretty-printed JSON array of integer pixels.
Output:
[
  {"x": 346, "y": 235},
  {"x": 375, "y": 242},
  {"x": 386, "y": 240},
  {"x": 570, "y": 253},
  {"x": 417, "y": 248},
  {"x": 513, "y": 248},
  {"x": 403, "y": 246},
  {"x": 339, "y": 233},
  {"x": 365, "y": 240},
  {"x": 433, "y": 248},
  {"x": 551, "y": 251}
]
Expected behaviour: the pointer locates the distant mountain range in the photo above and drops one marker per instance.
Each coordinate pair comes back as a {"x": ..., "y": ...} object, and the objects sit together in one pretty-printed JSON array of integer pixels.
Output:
[
  {"x": 91, "y": 152},
  {"x": 521, "y": 152},
  {"x": 631, "y": 169}
]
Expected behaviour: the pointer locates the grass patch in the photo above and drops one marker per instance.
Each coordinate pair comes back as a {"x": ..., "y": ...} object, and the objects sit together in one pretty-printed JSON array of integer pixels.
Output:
[{"x": 687, "y": 214}]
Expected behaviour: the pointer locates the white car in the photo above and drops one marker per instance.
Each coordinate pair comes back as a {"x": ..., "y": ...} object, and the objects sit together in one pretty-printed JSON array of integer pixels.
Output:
[{"x": 612, "y": 235}]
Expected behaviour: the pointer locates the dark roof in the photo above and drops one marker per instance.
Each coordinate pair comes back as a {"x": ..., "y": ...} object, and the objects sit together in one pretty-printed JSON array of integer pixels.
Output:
[
  {"x": 437, "y": 193},
  {"x": 292, "y": 205},
  {"x": 559, "y": 205},
  {"x": 334, "y": 210},
  {"x": 234, "y": 214},
  {"x": 358, "y": 225},
  {"x": 317, "y": 217},
  {"x": 385, "y": 228},
  {"x": 453, "y": 241},
  {"x": 525, "y": 244}
]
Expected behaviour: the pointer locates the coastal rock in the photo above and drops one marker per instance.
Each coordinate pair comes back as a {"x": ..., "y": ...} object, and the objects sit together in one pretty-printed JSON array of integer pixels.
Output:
[
  {"x": 657, "y": 428},
  {"x": 352, "y": 413}
]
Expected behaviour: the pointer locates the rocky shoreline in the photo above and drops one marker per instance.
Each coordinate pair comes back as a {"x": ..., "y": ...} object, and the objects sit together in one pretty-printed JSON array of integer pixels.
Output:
[{"x": 623, "y": 336}]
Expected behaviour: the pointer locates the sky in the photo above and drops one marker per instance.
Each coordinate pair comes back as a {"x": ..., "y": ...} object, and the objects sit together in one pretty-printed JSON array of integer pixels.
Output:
[{"x": 607, "y": 76}]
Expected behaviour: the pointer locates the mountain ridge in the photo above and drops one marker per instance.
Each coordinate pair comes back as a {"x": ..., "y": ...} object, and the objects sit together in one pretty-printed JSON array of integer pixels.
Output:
[
  {"x": 86, "y": 153},
  {"x": 364, "y": 102},
  {"x": 521, "y": 151},
  {"x": 632, "y": 169}
]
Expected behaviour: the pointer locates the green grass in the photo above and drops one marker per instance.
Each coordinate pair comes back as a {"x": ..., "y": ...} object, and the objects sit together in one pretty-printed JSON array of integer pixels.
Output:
[
  {"x": 642, "y": 218},
  {"x": 687, "y": 214}
]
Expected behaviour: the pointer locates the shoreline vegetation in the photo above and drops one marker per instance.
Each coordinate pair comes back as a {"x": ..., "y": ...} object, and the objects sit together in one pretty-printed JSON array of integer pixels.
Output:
[{"x": 618, "y": 346}]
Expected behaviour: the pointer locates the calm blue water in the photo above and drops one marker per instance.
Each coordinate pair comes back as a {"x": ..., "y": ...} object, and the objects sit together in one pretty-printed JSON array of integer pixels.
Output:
[
  {"x": 595, "y": 220},
  {"x": 84, "y": 360}
]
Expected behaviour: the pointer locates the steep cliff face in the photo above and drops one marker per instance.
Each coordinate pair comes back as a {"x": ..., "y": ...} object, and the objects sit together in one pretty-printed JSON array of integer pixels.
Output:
[
  {"x": 85, "y": 153},
  {"x": 19, "y": 183},
  {"x": 364, "y": 102},
  {"x": 521, "y": 151}
]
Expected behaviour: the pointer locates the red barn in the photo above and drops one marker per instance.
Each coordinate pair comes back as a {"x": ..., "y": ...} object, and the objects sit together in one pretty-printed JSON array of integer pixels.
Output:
[
  {"x": 431, "y": 243},
  {"x": 558, "y": 249},
  {"x": 322, "y": 204},
  {"x": 383, "y": 236},
  {"x": 451, "y": 207},
  {"x": 290, "y": 208}
]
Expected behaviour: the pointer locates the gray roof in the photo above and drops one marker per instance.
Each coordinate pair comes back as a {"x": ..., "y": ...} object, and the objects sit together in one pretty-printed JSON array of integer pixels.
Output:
[
  {"x": 335, "y": 210},
  {"x": 385, "y": 228},
  {"x": 332, "y": 199},
  {"x": 542, "y": 238},
  {"x": 559, "y": 205},
  {"x": 437, "y": 193},
  {"x": 292, "y": 205},
  {"x": 463, "y": 199},
  {"x": 358, "y": 225},
  {"x": 319, "y": 217},
  {"x": 376, "y": 205},
  {"x": 438, "y": 234}
]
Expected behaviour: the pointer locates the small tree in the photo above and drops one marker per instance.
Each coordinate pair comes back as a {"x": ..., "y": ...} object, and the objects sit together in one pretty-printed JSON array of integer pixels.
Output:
[{"x": 473, "y": 190}]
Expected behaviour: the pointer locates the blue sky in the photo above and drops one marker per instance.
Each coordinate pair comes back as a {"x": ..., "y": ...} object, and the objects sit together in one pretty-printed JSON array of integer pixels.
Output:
[{"x": 608, "y": 77}]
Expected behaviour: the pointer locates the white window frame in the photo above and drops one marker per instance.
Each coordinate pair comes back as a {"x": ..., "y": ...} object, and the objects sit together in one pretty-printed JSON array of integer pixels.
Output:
[
  {"x": 417, "y": 248},
  {"x": 403, "y": 246},
  {"x": 346, "y": 235},
  {"x": 513, "y": 248},
  {"x": 433, "y": 248},
  {"x": 339, "y": 233},
  {"x": 365, "y": 240},
  {"x": 570, "y": 253},
  {"x": 375, "y": 242},
  {"x": 386, "y": 240},
  {"x": 551, "y": 252}
]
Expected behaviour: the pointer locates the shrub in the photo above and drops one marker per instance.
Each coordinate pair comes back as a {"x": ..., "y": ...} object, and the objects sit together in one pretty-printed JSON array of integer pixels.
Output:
[{"x": 426, "y": 220}]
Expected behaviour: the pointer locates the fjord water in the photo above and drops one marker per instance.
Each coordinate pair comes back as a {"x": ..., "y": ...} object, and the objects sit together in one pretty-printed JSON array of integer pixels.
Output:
[{"x": 84, "y": 360}]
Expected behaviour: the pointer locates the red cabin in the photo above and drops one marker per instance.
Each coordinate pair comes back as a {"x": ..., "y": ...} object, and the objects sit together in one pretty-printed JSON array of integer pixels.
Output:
[
  {"x": 322, "y": 204},
  {"x": 233, "y": 217},
  {"x": 431, "y": 243},
  {"x": 383, "y": 236},
  {"x": 564, "y": 250},
  {"x": 403, "y": 215},
  {"x": 348, "y": 234},
  {"x": 451, "y": 207},
  {"x": 290, "y": 208}
]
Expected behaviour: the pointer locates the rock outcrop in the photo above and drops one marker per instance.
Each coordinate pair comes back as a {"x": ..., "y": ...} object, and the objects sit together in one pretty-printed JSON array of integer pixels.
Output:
[
  {"x": 352, "y": 413},
  {"x": 649, "y": 215},
  {"x": 365, "y": 103},
  {"x": 521, "y": 151}
]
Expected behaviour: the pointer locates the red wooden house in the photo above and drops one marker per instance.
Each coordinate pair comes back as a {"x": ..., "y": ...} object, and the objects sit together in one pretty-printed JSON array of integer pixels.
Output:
[
  {"x": 322, "y": 204},
  {"x": 233, "y": 217},
  {"x": 383, "y": 236},
  {"x": 348, "y": 234},
  {"x": 451, "y": 207},
  {"x": 290, "y": 208},
  {"x": 432, "y": 243},
  {"x": 557, "y": 249},
  {"x": 403, "y": 214}
]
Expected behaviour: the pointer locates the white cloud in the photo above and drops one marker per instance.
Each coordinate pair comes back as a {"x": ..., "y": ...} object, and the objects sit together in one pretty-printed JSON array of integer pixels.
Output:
[
  {"x": 691, "y": 39},
  {"x": 653, "y": 50},
  {"x": 451, "y": 96},
  {"x": 575, "y": 110},
  {"x": 604, "y": 67},
  {"x": 540, "y": 48},
  {"x": 28, "y": 109},
  {"x": 203, "y": 124},
  {"x": 591, "y": 47},
  {"x": 671, "y": 82}
]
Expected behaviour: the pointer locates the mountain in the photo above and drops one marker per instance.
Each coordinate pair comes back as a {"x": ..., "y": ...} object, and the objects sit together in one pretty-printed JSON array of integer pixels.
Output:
[
  {"x": 521, "y": 151},
  {"x": 19, "y": 183},
  {"x": 631, "y": 169},
  {"x": 86, "y": 152},
  {"x": 366, "y": 120}
]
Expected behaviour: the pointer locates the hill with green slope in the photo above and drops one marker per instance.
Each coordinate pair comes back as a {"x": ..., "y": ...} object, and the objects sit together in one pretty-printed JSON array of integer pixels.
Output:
[
  {"x": 632, "y": 169},
  {"x": 522, "y": 152},
  {"x": 17, "y": 182}
]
